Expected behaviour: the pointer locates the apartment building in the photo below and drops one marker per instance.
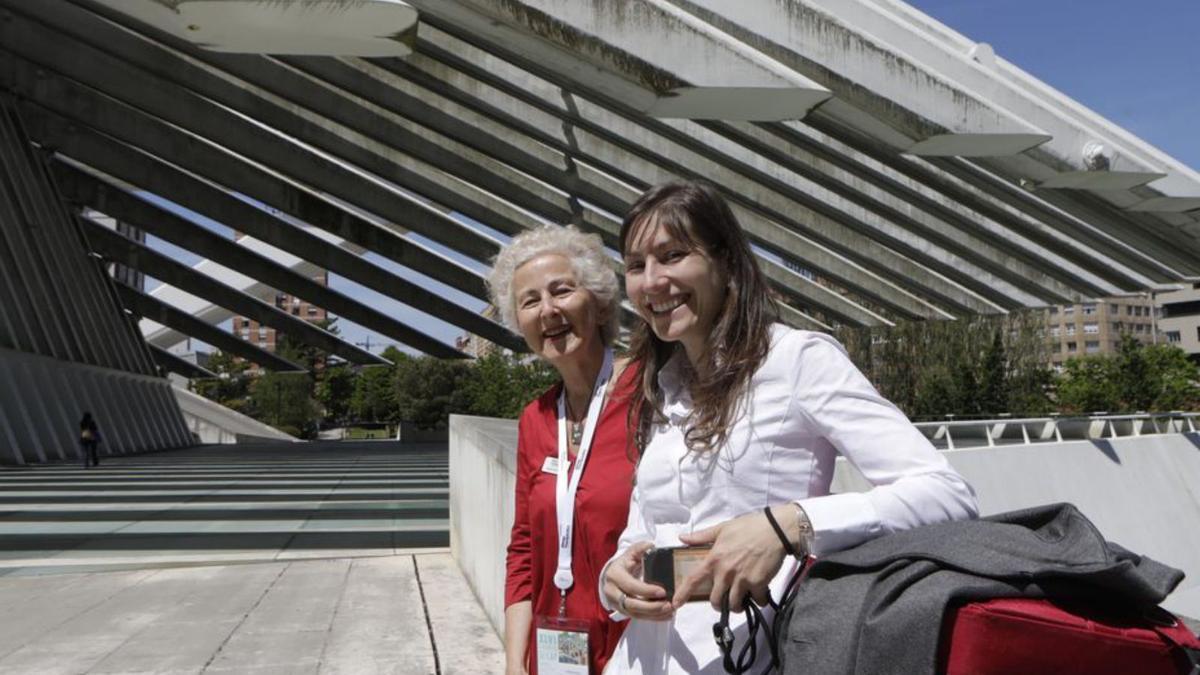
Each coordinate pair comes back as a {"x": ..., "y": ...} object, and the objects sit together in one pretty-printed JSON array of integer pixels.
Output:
[
  {"x": 265, "y": 336},
  {"x": 1096, "y": 327},
  {"x": 1179, "y": 323}
]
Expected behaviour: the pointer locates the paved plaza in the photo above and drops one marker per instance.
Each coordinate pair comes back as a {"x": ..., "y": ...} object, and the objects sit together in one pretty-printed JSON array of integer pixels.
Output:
[{"x": 289, "y": 558}]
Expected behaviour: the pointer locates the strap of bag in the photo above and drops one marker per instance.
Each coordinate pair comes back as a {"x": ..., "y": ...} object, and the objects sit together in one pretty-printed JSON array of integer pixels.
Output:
[
  {"x": 1190, "y": 653},
  {"x": 755, "y": 621}
]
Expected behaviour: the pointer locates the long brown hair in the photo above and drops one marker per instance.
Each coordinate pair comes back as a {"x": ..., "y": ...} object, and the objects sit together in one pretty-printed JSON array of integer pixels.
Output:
[{"x": 697, "y": 215}]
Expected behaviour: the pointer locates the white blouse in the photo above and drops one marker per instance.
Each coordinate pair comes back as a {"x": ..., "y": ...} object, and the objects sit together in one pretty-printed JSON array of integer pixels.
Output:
[{"x": 807, "y": 404}]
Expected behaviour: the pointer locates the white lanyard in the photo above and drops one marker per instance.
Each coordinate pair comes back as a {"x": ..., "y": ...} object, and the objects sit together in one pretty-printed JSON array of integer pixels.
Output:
[{"x": 564, "y": 490}]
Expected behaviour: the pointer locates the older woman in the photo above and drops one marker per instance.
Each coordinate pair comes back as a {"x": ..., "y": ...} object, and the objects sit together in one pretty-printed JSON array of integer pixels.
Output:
[
  {"x": 742, "y": 421},
  {"x": 556, "y": 288}
]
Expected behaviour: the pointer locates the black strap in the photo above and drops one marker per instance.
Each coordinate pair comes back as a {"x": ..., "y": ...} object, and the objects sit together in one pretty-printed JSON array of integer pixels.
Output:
[
  {"x": 787, "y": 545},
  {"x": 1191, "y": 655},
  {"x": 748, "y": 654},
  {"x": 755, "y": 621}
]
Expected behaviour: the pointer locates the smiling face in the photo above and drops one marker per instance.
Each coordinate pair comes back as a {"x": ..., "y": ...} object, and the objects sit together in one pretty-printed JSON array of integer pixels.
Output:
[
  {"x": 557, "y": 316},
  {"x": 675, "y": 285}
]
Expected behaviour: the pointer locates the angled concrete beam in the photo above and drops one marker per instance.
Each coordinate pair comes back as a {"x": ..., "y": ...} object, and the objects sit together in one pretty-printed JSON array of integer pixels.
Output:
[
  {"x": 609, "y": 139},
  {"x": 118, "y": 248},
  {"x": 897, "y": 80},
  {"x": 929, "y": 223},
  {"x": 221, "y": 126},
  {"x": 659, "y": 59},
  {"x": 974, "y": 237},
  {"x": 1166, "y": 254},
  {"x": 273, "y": 76},
  {"x": 149, "y": 307},
  {"x": 497, "y": 139},
  {"x": 976, "y": 67},
  {"x": 173, "y": 363},
  {"x": 918, "y": 183},
  {"x": 268, "y": 91},
  {"x": 150, "y": 173},
  {"x": 357, "y": 83},
  {"x": 901, "y": 102},
  {"x": 79, "y": 187},
  {"x": 447, "y": 155}
]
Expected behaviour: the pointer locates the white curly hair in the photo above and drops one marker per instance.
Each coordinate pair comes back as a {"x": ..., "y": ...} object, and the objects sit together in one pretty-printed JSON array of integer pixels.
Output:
[{"x": 585, "y": 252}]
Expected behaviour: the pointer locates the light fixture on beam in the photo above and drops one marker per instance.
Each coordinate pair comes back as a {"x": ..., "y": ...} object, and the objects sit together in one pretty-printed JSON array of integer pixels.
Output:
[
  {"x": 370, "y": 28},
  {"x": 1097, "y": 173}
]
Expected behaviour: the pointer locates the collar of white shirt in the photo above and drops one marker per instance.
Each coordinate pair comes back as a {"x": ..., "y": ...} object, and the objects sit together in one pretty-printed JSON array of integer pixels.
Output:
[{"x": 672, "y": 380}]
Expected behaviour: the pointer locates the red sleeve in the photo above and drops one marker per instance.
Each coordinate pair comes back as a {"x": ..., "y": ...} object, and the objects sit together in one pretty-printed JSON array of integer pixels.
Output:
[{"x": 518, "y": 583}]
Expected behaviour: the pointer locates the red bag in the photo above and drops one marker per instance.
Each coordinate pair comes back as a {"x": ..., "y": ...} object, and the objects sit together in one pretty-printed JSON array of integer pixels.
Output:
[{"x": 1019, "y": 635}]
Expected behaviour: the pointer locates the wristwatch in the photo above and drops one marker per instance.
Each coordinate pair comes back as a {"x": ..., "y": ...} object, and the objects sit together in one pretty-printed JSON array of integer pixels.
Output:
[{"x": 804, "y": 526}]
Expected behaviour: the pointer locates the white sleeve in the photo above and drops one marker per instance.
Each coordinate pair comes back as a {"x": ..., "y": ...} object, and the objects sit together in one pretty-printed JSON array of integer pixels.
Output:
[
  {"x": 914, "y": 484},
  {"x": 634, "y": 532}
]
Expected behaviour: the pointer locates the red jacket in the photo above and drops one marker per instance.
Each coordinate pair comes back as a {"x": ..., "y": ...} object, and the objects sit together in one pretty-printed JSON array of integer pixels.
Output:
[{"x": 602, "y": 507}]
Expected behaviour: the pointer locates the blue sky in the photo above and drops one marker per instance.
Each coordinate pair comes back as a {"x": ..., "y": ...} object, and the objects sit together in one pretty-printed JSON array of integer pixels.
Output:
[{"x": 1135, "y": 63}]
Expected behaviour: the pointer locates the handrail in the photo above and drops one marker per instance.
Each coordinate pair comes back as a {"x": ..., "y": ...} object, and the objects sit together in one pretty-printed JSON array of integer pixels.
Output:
[{"x": 1056, "y": 428}]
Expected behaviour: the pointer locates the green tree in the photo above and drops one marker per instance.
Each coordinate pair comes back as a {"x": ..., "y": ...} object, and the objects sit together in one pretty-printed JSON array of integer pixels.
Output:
[
  {"x": 231, "y": 387},
  {"x": 500, "y": 385},
  {"x": 1134, "y": 381},
  {"x": 373, "y": 398},
  {"x": 1089, "y": 384},
  {"x": 993, "y": 385},
  {"x": 284, "y": 400},
  {"x": 935, "y": 397},
  {"x": 965, "y": 366},
  {"x": 335, "y": 391},
  {"x": 1176, "y": 379},
  {"x": 429, "y": 390},
  {"x": 1029, "y": 391}
]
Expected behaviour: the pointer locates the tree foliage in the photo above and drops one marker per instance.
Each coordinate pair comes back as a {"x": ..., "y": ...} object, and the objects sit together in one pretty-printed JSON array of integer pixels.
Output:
[
  {"x": 500, "y": 385},
  {"x": 1089, "y": 384},
  {"x": 429, "y": 390},
  {"x": 1175, "y": 378},
  {"x": 285, "y": 401},
  {"x": 335, "y": 392},
  {"x": 373, "y": 398},
  {"x": 1157, "y": 378},
  {"x": 231, "y": 387},
  {"x": 970, "y": 366}
]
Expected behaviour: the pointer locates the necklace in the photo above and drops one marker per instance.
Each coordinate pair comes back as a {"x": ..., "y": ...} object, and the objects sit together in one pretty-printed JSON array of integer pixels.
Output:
[{"x": 575, "y": 428}]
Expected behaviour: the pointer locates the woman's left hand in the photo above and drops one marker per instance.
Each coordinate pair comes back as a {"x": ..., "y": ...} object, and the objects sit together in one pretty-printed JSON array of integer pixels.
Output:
[{"x": 746, "y": 554}]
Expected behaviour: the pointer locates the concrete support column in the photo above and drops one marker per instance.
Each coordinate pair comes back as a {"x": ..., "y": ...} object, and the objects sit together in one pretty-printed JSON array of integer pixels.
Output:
[
  {"x": 65, "y": 390},
  {"x": 14, "y": 400},
  {"x": 154, "y": 424},
  {"x": 49, "y": 428},
  {"x": 64, "y": 422}
]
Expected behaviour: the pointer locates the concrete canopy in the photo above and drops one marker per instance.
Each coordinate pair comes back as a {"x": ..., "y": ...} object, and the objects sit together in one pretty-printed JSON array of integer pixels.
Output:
[{"x": 886, "y": 168}]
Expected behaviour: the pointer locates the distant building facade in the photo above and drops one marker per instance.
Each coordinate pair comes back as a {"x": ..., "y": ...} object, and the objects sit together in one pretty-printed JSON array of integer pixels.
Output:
[
  {"x": 1091, "y": 328},
  {"x": 265, "y": 337},
  {"x": 469, "y": 343},
  {"x": 1180, "y": 321}
]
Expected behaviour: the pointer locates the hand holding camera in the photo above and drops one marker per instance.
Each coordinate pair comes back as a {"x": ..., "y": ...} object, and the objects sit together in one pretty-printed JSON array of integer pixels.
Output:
[{"x": 625, "y": 590}]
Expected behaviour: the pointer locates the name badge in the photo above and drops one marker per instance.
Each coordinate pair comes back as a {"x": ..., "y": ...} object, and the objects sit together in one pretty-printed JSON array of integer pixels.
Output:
[
  {"x": 562, "y": 646},
  {"x": 551, "y": 465}
]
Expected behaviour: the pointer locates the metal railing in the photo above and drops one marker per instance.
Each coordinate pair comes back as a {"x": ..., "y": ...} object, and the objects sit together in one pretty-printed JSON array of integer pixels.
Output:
[{"x": 953, "y": 434}]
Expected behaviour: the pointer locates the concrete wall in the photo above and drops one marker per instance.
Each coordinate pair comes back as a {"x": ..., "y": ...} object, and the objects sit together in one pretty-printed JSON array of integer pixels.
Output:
[
  {"x": 483, "y": 465},
  {"x": 1141, "y": 493},
  {"x": 42, "y": 400},
  {"x": 213, "y": 423}
]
